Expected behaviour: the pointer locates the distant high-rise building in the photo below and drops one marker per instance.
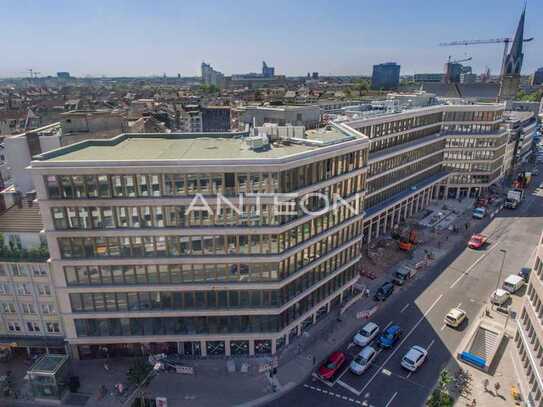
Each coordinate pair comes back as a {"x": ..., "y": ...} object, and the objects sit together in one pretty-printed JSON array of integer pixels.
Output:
[
  {"x": 537, "y": 77},
  {"x": 453, "y": 70},
  {"x": 315, "y": 75},
  {"x": 267, "y": 71},
  {"x": 513, "y": 64},
  {"x": 211, "y": 76},
  {"x": 385, "y": 76},
  {"x": 63, "y": 75}
]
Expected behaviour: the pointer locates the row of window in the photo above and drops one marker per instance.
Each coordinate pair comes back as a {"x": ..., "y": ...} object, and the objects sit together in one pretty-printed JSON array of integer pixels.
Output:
[
  {"x": 23, "y": 269},
  {"x": 24, "y": 289},
  {"x": 472, "y": 154},
  {"x": 199, "y": 273},
  {"x": 473, "y": 179},
  {"x": 157, "y": 185},
  {"x": 474, "y": 142},
  {"x": 381, "y": 144},
  {"x": 452, "y": 166},
  {"x": 137, "y": 217},
  {"x": 26, "y": 308},
  {"x": 33, "y": 327},
  {"x": 211, "y": 324},
  {"x": 174, "y": 246},
  {"x": 404, "y": 158},
  {"x": 477, "y": 116},
  {"x": 403, "y": 172},
  {"x": 397, "y": 126},
  {"x": 470, "y": 129}
]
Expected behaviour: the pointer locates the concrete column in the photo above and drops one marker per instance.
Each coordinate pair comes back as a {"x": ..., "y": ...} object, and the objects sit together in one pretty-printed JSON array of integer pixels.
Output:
[
  {"x": 203, "y": 348},
  {"x": 74, "y": 351},
  {"x": 251, "y": 347},
  {"x": 227, "y": 348},
  {"x": 328, "y": 306},
  {"x": 299, "y": 329},
  {"x": 341, "y": 297},
  {"x": 369, "y": 240},
  {"x": 287, "y": 339},
  {"x": 274, "y": 346},
  {"x": 385, "y": 221},
  {"x": 314, "y": 318}
]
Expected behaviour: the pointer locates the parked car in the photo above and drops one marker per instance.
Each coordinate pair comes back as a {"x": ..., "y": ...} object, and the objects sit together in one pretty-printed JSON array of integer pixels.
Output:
[
  {"x": 366, "y": 334},
  {"x": 513, "y": 283},
  {"x": 455, "y": 317},
  {"x": 332, "y": 365},
  {"x": 499, "y": 297},
  {"x": 402, "y": 274},
  {"x": 363, "y": 360},
  {"x": 477, "y": 241},
  {"x": 384, "y": 291},
  {"x": 414, "y": 358},
  {"x": 389, "y": 337},
  {"x": 525, "y": 273}
]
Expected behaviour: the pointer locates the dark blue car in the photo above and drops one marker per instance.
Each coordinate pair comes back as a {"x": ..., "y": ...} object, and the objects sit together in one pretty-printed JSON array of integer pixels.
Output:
[
  {"x": 384, "y": 291},
  {"x": 389, "y": 337}
]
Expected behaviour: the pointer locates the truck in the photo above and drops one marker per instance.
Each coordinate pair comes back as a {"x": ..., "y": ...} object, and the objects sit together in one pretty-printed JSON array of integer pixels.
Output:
[{"x": 514, "y": 198}]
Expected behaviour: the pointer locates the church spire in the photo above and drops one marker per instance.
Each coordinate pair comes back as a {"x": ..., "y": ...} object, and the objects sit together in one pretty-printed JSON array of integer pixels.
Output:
[{"x": 513, "y": 62}]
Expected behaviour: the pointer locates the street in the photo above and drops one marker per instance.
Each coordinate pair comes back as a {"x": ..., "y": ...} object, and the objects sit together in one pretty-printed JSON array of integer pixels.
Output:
[{"x": 464, "y": 278}]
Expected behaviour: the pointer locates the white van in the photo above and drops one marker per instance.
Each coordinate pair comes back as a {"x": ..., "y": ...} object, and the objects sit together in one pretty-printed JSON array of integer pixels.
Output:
[{"x": 513, "y": 283}]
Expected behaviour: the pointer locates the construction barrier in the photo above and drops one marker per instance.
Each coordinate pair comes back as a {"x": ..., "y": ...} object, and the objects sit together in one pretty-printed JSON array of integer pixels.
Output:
[
  {"x": 366, "y": 314},
  {"x": 184, "y": 369}
]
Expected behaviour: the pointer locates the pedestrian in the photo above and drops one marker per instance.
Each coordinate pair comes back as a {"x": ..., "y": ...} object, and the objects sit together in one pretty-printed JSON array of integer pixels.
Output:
[
  {"x": 467, "y": 226},
  {"x": 314, "y": 360},
  {"x": 497, "y": 387},
  {"x": 486, "y": 383},
  {"x": 106, "y": 366}
]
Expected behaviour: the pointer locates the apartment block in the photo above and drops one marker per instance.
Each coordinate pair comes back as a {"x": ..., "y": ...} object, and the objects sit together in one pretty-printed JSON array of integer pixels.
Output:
[
  {"x": 136, "y": 264},
  {"x": 29, "y": 318}
]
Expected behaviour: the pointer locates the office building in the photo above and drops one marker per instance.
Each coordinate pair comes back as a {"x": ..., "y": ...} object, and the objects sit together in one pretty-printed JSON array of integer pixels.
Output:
[
  {"x": 385, "y": 76},
  {"x": 537, "y": 77},
  {"x": 528, "y": 350},
  {"x": 211, "y": 76},
  {"x": 215, "y": 119},
  {"x": 267, "y": 71},
  {"x": 136, "y": 267},
  {"x": 428, "y": 77},
  {"x": 453, "y": 70}
]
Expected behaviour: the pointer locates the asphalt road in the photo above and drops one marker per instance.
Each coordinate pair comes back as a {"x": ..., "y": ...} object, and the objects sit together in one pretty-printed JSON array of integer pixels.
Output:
[{"x": 466, "y": 278}]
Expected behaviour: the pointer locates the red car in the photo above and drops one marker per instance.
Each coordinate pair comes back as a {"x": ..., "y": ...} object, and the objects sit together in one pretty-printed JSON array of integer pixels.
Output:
[
  {"x": 477, "y": 241},
  {"x": 331, "y": 366}
]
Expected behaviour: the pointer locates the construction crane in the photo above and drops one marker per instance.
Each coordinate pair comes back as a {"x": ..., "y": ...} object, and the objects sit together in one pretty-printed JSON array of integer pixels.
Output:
[{"x": 505, "y": 41}]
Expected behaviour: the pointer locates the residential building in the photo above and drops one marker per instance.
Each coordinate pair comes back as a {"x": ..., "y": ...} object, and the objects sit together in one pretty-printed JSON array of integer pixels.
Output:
[
  {"x": 385, "y": 76},
  {"x": 17, "y": 121},
  {"x": 522, "y": 127},
  {"x": 29, "y": 318},
  {"x": 136, "y": 266},
  {"x": 74, "y": 127},
  {"x": 308, "y": 115},
  {"x": 528, "y": 344},
  {"x": 537, "y": 77}
]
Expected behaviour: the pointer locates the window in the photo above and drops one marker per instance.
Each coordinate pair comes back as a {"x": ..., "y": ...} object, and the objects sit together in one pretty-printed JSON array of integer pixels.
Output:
[
  {"x": 5, "y": 288},
  {"x": 33, "y": 326},
  {"x": 44, "y": 289},
  {"x": 2, "y": 270},
  {"x": 39, "y": 270},
  {"x": 47, "y": 308},
  {"x": 23, "y": 289},
  {"x": 52, "y": 327},
  {"x": 8, "y": 308},
  {"x": 28, "y": 308},
  {"x": 14, "y": 326}
]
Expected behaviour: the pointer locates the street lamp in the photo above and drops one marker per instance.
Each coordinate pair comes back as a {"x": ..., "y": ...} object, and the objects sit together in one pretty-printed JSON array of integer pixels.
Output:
[{"x": 504, "y": 252}]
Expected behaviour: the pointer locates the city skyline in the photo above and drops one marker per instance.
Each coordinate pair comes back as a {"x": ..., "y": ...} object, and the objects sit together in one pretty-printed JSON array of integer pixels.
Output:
[{"x": 101, "y": 39}]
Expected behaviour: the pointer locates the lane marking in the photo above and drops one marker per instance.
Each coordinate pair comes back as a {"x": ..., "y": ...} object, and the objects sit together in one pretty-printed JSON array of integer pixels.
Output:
[
  {"x": 404, "y": 308},
  {"x": 350, "y": 388},
  {"x": 350, "y": 345},
  {"x": 431, "y": 343},
  {"x": 408, "y": 375},
  {"x": 467, "y": 271},
  {"x": 443, "y": 327},
  {"x": 422, "y": 318},
  {"x": 391, "y": 399},
  {"x": 385, "y": 328},
  {"x": 386, "y": 372}
]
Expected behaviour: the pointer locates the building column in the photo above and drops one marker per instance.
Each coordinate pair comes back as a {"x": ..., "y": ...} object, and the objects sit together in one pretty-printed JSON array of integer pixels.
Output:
[
  {"x": 203, "y": 348},
  {"x": 369, "y": 240},
  {"x": 385, "y": 221},
  {"x": 227, "y": 348},
  {"x": 251, "y": 347},
  {"x": 314, "y": 318},
  {"x": 274, "y": 346},
  {"x": 74, "y": 352},
  {"x": 328, "y": 307}
]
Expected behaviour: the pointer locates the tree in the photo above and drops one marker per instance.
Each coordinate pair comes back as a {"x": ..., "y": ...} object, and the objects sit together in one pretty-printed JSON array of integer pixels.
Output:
[
  {"x": 138, "y": 372},
  {"x": 440, "y": 396}
]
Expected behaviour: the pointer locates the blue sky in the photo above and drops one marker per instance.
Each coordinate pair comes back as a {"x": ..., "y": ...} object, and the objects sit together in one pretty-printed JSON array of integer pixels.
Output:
[{"x": 142, "y": 37}]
